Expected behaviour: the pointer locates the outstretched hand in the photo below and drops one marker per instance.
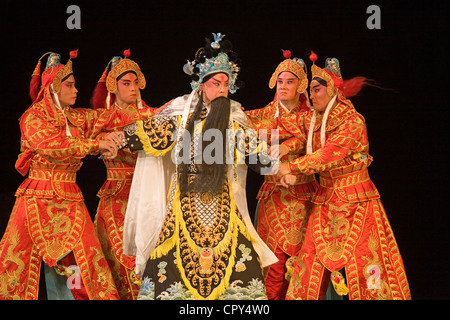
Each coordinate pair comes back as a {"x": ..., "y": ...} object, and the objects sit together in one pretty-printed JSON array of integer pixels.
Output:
[
  {"x": 163, "y": 107},
  {"x": 118, "y": 137},
  {"x": 277, "y": 151},
  {"x": 288, "y": 180},
  {"x": 108, "y": 149},
  {"x": 283, "y": 169}
]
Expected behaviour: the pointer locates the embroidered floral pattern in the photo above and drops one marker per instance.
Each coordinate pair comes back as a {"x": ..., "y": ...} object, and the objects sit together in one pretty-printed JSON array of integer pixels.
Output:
[{"x": 240, "y": 265}]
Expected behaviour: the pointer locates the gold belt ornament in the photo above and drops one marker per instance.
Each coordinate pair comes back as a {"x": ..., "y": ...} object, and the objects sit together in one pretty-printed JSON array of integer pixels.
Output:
[
  {"x": 53, "y": 174},
  {"x": 301, "y": 179},
  {"x": 345, "y": 180},
  {"x": 119, "y": 173}
]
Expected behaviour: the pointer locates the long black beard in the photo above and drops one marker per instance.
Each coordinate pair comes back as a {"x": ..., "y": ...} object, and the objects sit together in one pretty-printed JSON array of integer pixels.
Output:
[{"x": 210, "y": 177}]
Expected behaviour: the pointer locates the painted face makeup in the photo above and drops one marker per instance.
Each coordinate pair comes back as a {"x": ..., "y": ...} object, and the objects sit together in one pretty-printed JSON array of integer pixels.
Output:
[
  {"x": 215, "y": 87},
  {"x": 319, "y": 96},
  {"x": 68, "y": 93},
  {"x": 127, "y": 90},
  {"x": 287, "y": 85}
]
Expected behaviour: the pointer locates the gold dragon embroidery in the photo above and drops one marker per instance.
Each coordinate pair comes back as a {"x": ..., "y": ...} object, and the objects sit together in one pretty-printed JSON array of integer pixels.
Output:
[
  {"x": 372, "y": 271},
  {"x": 10, "y": 280}
]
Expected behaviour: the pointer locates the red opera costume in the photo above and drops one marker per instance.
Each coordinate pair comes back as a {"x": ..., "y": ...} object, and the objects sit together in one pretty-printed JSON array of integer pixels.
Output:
[
  {"x": 113, "y": 195},
  {"x": 348, "y": 227},
  {"x": 282, "y": 212},
  {"x": 49, "y": 221}
]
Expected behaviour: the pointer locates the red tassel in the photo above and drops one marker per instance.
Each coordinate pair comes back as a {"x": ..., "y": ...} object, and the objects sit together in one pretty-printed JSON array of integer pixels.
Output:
[
  {"x": 99, "y": 95},
  {"x": 303, "y": 104},
  {"x": 354, "y": 85},
  {"x": 35, "y": 81},
  {"x": 286, "y": 53},
  {"x": 127, "y": 53},
  {"x": 313, "y": 56},
  {"x": 34, "y": 86},
  {"x": 98, "y": 99},
  {"x": 73, "y": 54}
]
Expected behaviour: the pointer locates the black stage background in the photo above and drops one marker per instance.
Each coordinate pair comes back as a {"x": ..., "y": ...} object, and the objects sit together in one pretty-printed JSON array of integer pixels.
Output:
[{"x": 406, "y": 123}]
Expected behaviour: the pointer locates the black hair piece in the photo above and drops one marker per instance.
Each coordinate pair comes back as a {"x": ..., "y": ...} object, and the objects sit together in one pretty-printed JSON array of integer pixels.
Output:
[
  {"x": 66, "y": 77},
  {"x": 320, "y": 80},
  {"x": 125, "y": 73}
]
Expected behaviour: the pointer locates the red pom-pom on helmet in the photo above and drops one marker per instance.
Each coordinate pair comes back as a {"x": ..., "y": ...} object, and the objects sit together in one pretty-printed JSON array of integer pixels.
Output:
[
  {"x": 73, "y": 54},
  {"x": 286, "y": 53},
  {"x": 126, "y": 53},
  {"x": 313, "y": 56}
]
